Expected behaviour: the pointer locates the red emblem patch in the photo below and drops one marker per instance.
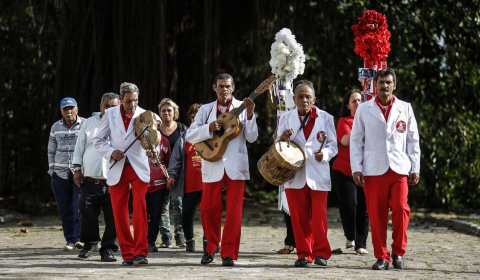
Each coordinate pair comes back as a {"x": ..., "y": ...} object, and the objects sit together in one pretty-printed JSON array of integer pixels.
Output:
[
  {"x": 401, "y": 126},
  {"x": 320, "y": 136}
]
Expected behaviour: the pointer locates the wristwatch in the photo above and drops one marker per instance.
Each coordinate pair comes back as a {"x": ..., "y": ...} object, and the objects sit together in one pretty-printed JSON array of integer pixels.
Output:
[{"x": 75, "y": 169}]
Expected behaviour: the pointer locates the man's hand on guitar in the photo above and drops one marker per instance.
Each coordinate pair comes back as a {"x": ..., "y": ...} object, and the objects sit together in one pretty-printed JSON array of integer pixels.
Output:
[
  {"x": 215, "y": 126},
  {"x": 286, "y": 134},
  {"x": 250, "y": 107}
]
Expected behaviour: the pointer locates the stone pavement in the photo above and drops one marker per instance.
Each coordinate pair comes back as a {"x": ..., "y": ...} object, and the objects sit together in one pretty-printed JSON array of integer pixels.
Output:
[{"x": 434, "y": 252}]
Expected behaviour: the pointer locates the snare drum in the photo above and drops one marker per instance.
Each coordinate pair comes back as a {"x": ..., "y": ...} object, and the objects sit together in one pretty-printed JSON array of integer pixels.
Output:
[{"x": 281, "y": 161}]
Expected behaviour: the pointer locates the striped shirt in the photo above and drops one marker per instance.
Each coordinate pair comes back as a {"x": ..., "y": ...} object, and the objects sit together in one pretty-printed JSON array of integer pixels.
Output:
[{"x": 61, "y": 145}]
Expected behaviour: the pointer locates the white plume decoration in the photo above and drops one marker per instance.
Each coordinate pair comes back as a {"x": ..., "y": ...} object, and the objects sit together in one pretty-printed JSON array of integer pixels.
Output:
[{"x": 288, "y": 59}]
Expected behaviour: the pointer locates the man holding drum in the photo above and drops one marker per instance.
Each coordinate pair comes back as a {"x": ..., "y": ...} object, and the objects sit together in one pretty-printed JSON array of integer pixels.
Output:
[
  {"x": 307, "y": 190},
  {"x": 231, "y": 170},
  {"x": 385, "y": 139}
]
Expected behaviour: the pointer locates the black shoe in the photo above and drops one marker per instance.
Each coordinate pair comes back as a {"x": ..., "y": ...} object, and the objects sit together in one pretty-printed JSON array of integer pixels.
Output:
[
  {"x": 381, "y": 264},
  {"x": 397, "y": 261},
  {"x": 139, "y": 260},
  {"x": 166, "y": 244},
  {"x": 301, "y": 262},
  {"x": 87, "y": 251},
  {"x": 127, "y": 262},
  {"x": 227, "y": 261},
  {"x": 190, "y": 245},
  {"x": 206, "y": 258},
  {"x": 180, "y": 241},
  {"x": 320, "y": 261},
  {"x": 152, "y": 247},
  {"x": 108, "y": 256}
]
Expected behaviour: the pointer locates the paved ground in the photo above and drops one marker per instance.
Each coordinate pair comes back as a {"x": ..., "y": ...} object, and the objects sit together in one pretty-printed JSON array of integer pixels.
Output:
[{"x": 433, "y": 252}]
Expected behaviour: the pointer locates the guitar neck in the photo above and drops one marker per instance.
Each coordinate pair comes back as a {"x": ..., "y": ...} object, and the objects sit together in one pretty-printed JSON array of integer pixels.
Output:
[{"x": 240, "y": 109}]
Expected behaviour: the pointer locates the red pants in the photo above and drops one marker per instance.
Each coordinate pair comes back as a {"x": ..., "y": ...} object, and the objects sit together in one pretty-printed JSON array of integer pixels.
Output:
[
  {"x": 212, "y": 209},
  {"x": 308, "y": 209},
  {"x": 382, "y": 192},
  {"x": 119, "y": 193}
]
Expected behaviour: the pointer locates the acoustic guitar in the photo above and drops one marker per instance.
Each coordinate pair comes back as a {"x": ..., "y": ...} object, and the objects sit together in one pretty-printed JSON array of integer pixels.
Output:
[{"x": 213, "y": 149}]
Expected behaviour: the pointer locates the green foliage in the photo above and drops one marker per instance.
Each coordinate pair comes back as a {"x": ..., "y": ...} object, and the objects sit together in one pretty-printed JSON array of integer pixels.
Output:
[
  {"x": 82, "y": 49},
  {"x": 28, "y": 59}
]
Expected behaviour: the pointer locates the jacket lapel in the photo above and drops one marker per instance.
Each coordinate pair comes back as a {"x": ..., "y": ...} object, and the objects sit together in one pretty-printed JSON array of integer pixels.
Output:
[
  {"x": 295, "y": 123},
  {"x": 376, "y": 112},
  {"x": 395, "y": 112},
  {"x": 213, "y": 113},
  {"x": 235, "y": 104},
  {"x": 131, "y": 125},
  {"x": 316, "y": 127},
  {"x": 118, "y": 119}
]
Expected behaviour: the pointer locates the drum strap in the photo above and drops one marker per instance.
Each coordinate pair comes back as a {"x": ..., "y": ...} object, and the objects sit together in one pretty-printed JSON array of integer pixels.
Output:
[{"x": 303, "y": 122}]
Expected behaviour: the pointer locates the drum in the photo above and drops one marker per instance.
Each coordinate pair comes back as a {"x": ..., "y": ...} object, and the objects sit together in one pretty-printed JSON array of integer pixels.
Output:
[{"x": 281, "y": 161}]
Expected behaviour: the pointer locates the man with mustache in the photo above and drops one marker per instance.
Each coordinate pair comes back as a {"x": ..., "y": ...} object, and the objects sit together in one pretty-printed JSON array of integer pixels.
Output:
[
  {"x": 385, "y": 139},
  {"x": 61, "y": 145},
  {"x": 91, "y": 175},
  {"x": 231, "y": 171},
  {"x": 115, "y": 133},
  {"x": 307, "y": 190}
]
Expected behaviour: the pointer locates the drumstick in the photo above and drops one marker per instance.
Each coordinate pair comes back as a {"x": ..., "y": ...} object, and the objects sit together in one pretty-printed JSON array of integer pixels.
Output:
[
  {"x": 288, "y": 144},
  {"x": 321, "y": 147},
  {"x": 323, "y": 142}
]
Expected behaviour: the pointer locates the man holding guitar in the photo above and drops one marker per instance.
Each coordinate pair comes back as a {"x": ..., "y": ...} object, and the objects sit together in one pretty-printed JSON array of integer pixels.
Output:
[{"x": 230, "y": 170}]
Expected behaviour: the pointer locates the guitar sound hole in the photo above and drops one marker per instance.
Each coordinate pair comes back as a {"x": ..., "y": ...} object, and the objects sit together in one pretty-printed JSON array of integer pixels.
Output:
[{"x": 220, "y": 132}]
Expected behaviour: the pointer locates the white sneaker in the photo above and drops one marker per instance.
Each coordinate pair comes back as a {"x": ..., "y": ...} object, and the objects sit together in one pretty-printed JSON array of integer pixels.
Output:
[
  {"x": 68, "y": 247},
  {"x": 79, "y": 245}
]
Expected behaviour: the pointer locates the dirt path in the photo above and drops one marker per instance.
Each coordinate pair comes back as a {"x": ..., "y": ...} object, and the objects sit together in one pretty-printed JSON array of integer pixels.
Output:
[{"x": 433, "y": 253}]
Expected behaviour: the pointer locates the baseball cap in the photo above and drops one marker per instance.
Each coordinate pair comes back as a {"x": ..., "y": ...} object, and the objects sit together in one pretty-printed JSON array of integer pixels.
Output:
[{"x": 68, "y": 101}]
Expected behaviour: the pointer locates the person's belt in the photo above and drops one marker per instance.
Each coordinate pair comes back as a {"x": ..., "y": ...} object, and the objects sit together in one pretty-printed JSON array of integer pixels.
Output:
[{"x": 96, "y": 181}]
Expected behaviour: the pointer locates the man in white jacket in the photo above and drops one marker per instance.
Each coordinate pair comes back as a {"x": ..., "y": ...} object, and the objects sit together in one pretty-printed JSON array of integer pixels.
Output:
[
  {"x": 307, "y": 190},
  {"x": 91, "y": 176},
  {"x": 385, "y": 138},
  {"x": 231, "y": 170},
  {"x": 117, "y": 126}
]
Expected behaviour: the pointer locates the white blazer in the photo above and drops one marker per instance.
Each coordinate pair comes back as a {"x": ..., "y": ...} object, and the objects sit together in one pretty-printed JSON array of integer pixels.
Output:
[
  {"x": 315, "y": 174},
  {"x": 382, "y": 144},
  {"x": 235, "y": 159},
  {"x": 112, "y": 128}
]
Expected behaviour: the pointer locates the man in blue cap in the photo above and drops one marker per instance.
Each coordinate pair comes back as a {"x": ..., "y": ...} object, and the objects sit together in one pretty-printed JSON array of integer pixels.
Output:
[{"x": 61, "y": 145}]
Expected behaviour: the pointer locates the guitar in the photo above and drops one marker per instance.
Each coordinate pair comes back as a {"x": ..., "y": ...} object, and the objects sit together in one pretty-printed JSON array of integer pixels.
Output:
[{"x": 213, "y": 149}]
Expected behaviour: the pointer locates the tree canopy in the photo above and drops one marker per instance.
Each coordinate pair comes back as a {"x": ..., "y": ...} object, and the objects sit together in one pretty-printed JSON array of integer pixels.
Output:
[{"x": 82, "y": 49}]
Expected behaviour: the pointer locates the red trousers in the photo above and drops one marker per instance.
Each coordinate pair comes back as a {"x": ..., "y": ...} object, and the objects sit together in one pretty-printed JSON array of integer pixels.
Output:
[
  {"x": 389, "y": 190},
  {"x": 212, "y": 209},
  {"x": 308, "y": 209},
  {"x": 136, "y": 245}
]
